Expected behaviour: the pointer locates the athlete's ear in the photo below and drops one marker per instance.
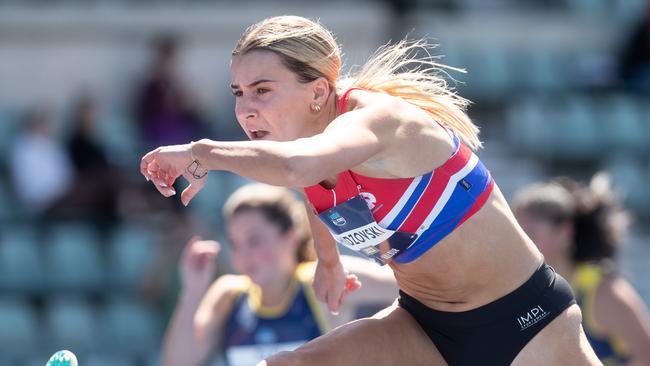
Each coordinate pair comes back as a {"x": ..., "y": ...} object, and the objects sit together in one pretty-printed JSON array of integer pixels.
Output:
[{"x": 321, "y": 89}]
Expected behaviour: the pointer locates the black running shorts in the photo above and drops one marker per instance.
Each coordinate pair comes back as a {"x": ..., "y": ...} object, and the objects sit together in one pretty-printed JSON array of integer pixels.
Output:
[{"x": 495, "y": 333}]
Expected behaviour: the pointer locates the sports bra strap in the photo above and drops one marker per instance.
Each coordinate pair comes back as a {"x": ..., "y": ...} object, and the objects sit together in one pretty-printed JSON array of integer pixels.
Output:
[
  {"x": 343, "y": 100},
  {"x": 343, "y": 106}
]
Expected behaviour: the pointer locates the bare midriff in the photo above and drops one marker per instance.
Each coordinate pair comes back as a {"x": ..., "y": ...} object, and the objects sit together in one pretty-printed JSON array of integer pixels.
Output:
[{"x": 484, "y": 259}]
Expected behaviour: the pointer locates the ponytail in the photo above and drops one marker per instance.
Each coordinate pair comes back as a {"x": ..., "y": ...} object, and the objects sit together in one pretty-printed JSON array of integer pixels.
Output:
[{"x": 398, "y": 70}]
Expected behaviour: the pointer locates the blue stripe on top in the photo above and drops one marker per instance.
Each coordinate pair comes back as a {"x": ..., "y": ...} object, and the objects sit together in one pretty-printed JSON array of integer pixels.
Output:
[
  {"x": 458, "y": 205},
  {"x": 411, "y": 202}
]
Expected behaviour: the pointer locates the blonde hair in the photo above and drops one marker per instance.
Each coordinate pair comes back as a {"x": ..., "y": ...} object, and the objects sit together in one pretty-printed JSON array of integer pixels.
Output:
[
  {"x": 309, "y": 50},
  {"x": 305, "y": 47},
  {"x": 277, "y": 205}
]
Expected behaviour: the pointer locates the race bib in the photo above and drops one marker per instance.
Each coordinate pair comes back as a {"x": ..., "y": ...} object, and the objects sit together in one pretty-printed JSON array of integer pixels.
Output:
[{"x": 352, "y": 225}]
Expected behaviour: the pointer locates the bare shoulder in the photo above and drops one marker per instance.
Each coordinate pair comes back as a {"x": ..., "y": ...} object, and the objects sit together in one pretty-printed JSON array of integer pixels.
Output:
[
  {"x": 391, "y": 106},
  {"x": 227, "y": 286},
  {"x": 622, "y": 312},
  {"x": 615, "y": 292},
  {"x": 417, "y": 142},
  {"x": 360, "y": 98},
  {"x": 616, "y": 295},
  {"x": 219, "y": 298}
]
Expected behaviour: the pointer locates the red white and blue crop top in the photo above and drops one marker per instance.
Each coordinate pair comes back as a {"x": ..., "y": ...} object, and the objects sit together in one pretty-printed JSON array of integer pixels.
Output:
[{"x": 426, "y": 208}]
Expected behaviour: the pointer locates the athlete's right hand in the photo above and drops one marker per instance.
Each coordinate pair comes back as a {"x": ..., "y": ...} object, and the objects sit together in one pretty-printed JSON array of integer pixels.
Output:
[
  {"x": 332, "y": 283},
  {"x": 197, "y": 265}
]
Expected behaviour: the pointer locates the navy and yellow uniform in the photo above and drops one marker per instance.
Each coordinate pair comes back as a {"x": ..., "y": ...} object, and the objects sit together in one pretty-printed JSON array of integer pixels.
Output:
[
  {"x": 253, "y": 332},
  {"x": 610, "y": 349}
]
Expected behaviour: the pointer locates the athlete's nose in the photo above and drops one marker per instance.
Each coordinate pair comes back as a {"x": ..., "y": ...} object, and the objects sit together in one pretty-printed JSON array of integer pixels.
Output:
[{"x": 245, "y": 111}]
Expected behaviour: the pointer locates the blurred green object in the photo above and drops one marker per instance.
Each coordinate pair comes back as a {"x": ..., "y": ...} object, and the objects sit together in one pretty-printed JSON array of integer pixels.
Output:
[{"x": 62, "y": 358}]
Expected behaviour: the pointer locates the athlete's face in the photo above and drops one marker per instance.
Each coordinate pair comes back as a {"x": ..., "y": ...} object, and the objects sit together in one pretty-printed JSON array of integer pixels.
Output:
[
  {"x": 554, "y": 240},
  {"x": 260, "y": 250},
  {"x": 271, "y": 104}
]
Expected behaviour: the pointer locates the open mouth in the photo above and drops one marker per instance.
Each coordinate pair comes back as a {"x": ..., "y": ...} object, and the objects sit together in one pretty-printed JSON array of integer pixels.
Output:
[{"x": 258, "y": 135}]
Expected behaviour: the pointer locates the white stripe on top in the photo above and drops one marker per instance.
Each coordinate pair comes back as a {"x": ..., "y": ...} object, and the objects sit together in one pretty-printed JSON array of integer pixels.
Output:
[
  {"x": 446, "y": 194},
  {"x": 388, "y": 219}
]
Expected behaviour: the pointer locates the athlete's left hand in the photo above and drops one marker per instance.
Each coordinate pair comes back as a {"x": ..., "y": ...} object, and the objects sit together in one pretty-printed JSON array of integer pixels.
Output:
[{"x": 163, "y": 165}]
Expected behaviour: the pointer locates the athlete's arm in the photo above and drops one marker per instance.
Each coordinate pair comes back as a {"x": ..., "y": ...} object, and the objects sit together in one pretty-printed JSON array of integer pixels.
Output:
[
  {"x": 620, "y": 310},
  {"x": 387, "y": 138},
  {"x": 350, "y": 140},
  {"x": 331, "y": 283},
  {"x": 324, "y": 244},
  {"x": 379, "y": 291},
  {"x": 197, "y": 323}
]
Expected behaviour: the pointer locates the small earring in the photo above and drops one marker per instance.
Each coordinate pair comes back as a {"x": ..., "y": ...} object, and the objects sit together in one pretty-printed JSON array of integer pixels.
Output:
[{"x": 315, "y": 107}]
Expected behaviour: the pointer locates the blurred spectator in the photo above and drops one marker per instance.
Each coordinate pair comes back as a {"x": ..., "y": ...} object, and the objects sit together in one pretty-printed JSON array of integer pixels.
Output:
[
  {"x": 635, "y": 59},
  {"x": 271, "y": 306},
  {"x": 579, "y": 229},
  {"x": 39, "y": 166},
  {"x": 85, "y": 151},
  {"x": 95, "y": 189},
  {"x": 166, "y": 112}
]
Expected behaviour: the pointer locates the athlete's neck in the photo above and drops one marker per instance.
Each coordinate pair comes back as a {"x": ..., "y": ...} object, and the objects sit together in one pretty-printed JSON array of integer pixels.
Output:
[{"x": 276, "y": 293}]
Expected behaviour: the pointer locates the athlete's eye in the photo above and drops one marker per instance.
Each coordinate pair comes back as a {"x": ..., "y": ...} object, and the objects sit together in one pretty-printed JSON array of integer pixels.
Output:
[
  {"x": 237, "y": 93},
  {"x": 262, "y": 90}
]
